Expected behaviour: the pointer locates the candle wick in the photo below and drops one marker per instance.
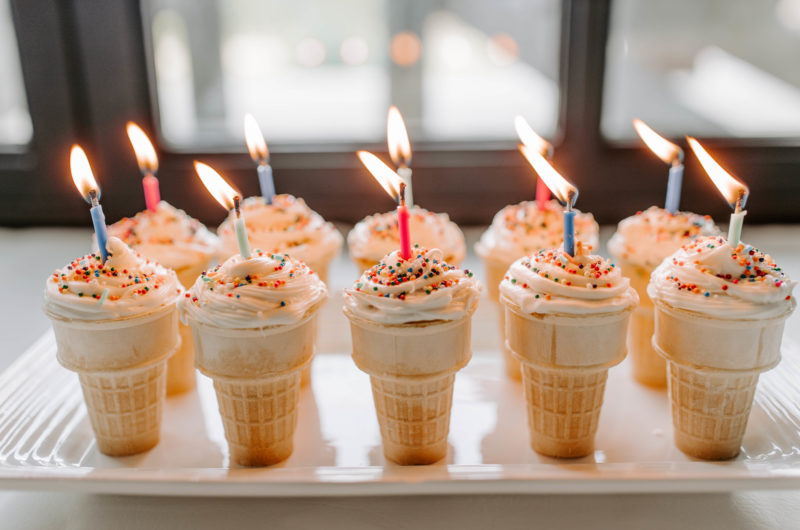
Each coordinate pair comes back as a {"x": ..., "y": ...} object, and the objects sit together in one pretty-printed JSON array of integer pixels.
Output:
[
  {"x": 93, "y": 198},
  {"x": 401, "y": 197},
  {"x": 236, "y": 206},
  {"x": 738, "y": 208}
]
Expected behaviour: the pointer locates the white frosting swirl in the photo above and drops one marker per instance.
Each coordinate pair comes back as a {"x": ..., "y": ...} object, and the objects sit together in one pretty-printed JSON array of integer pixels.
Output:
[
  {"x": 421, "y": 289},
  {"x": 377, "y": 235},
  {"x": 264, "y": 290},
  {"x": 520, "y": 229},
  {"x": 552, "y": 281},
  {"x": 648, "y": 237},
  {"x": 168, "y": 235},
  {"x": 126, "y": 285},
  {"x": 287, "y": 225},
  {"x": 711, "y": 277}
]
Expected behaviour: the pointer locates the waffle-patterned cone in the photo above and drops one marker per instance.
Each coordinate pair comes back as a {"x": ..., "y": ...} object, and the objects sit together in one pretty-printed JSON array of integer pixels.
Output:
[
  {"x": 710, "y": 410},
  {"x": 414, "y": 416},
  {"x": 563, "y": 408},
  {"x": 125, "y": 408},
  {"x": 259, "y": 417}
]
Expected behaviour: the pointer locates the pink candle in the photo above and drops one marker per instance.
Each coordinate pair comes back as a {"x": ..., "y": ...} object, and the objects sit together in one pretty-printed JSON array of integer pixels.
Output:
[
  {"x": 542, "y": 194},
  {"x": 152, "y": 196},
  {"x": 405, "y": 237}
]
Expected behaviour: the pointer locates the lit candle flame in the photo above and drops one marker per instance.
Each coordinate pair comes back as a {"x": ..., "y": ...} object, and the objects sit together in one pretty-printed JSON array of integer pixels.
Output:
[
  {"x": 734, "y": 191},
  {"x": 668, "y": 152},
  {"x": 145, "y": 152},
  {"x": 256, "y": 144},
  {"x": 565, "y": 192},
  {"x": 386, "y": 177},
  {"x": 397, "y": 138},
  {"x": 82, "y": 173},
  {"x": 225, "y": 194},
  {"x": 528, "y": 137}
]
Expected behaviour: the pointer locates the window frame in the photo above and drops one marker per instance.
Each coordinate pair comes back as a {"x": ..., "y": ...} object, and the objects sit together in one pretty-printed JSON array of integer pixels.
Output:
[{"x": 108, "y": 81}]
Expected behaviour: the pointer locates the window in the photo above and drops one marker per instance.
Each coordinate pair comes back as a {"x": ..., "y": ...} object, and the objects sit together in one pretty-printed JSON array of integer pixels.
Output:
[
  {"x": 718, "y": 68},
  {"x": 15, "y": 120},
  {"x": 315, "y": 71},
  {"x": 319, "y": 76}
]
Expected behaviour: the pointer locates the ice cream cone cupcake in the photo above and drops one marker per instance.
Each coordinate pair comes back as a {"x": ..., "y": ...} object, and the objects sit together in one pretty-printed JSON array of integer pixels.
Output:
[
  {"x": 177, "y": 241},
  {"x": 410, "y": 322},
  {"x": 287, "y": 225},
  {"x": 639, "y": 245},
  {"x": 116, "y": 324},
  {"x": 377, "y": 235},
  {"x": 566, "y": 322},
  {"x": 518, "y": 230},
  {"x": 719, "y": 316},
  {"x": 254, "y": 325}
]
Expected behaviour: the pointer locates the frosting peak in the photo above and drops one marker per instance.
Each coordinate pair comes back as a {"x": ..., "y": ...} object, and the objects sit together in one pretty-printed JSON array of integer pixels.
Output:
[
  {"x": 648, "y": 237},
  {"x": 287, "y": 225},
  {"x": 520, "y": 229},
  {"x": 126, "y": 285},
  {"x": 552, "y": 281},
  {"x": 377, "y": 235},
  {"x": 710, "y": 276},
  {"x": 423, "y": 288},
  {"x": 264, "y": 290}
]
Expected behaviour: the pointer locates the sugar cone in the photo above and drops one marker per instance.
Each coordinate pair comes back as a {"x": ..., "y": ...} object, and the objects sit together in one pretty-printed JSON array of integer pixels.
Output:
[
  {"x": 649, "y": 368},
  {"x": 714, "y": 365},
  {"x": 565, "y": 361},
  {"x": 121, "y": 365},
  {"x": 256, "y": 375},
  {"x": 412, "y": 370}
]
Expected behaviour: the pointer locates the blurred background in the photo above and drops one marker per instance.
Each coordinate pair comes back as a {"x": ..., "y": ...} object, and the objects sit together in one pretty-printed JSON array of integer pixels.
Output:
[{"x": 319, "y": 77}]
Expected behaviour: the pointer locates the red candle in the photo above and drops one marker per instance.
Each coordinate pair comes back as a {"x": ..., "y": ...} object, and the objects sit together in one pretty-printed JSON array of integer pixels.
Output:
[
  {"x": 533, "y": 141},
  {"x": 396, "y": 188},
  {"x": 152, "y": 196},
  {"x": 542, "y": 193},
  {"x": 148, "y": 164}
]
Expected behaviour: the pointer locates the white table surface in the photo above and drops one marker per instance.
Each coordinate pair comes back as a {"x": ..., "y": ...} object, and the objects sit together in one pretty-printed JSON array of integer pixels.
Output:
[{"x": 28, "y": 256}]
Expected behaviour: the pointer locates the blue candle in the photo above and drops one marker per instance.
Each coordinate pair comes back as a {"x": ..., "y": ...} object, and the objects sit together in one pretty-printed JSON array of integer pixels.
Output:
[
  {"x": 99, "y": 222},
  {"x": 266, "y": 182},
  {"x": 569, "y": 231},
  {"x": 674, "y": 188}
]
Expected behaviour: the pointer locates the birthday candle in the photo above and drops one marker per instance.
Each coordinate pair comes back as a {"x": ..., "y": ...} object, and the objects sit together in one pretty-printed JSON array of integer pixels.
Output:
[
  {"x": 734, "y": 191},
  {"x": 400, "y": 150},
  {"x": 668, "y": 153},
  {"x": 148, "y": 164},
  {"x": 395, "y": 187},
  {"x": 565, "y": 192},
  {"x": 84, "y": 181},
  {"x": 257, "y": 147},
  {"x": 229, "y": 198}
]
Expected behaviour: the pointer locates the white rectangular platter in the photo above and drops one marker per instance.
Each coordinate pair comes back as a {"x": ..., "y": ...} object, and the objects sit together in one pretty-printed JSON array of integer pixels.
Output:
[{"x": 46, "y": 440}]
